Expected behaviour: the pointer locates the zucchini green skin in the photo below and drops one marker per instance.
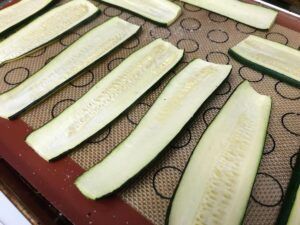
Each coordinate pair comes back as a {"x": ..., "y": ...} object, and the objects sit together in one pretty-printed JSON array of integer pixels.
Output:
[
  {"x": 152, "y": 113},
  {"x": 189, "y": 159},
  {"x": 15, "y": 27},
  {"x": 263, "y": 69},
  {"x": 290, "y": 195},
  {"x": 137, "y": 14},
  {"x": 82, "y": 23},
  {"x": 57, "y": 88}
]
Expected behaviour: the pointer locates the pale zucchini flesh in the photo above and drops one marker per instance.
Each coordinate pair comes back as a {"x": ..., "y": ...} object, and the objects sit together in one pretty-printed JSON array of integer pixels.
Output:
[
  {"x": 269, "y": 57},
  {"x": 19, "y": 12},
  {"x": 217, "y": 181},
  {"x": 174, "y": 107},
  {"x": 160, "y": 11},
  {"x": 106, "y": 100},
  {"x": 294, "y": 218},
  {"x": 249, "y": 14},
  {"x": 45, "y": 28},
  {"x": 69, "y": 63}
]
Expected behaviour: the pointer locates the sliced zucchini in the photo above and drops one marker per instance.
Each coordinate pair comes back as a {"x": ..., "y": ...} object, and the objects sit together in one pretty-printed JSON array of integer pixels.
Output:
[
  {"x": 290, "y": 209},
  {"x": 269, "y": 57},
  {"x": 249, "y": 14},
  {"x": 21, "y": 12},
  {"x": 294, "y": 218},
  {"x": 45, "y": 28},
  {"x": 217, "y": 182},
  {"x": 171, "y": 111},
  {"x": 69, "y": 63},
  {"x": 106, "y": 100},
  {"x": 160, "y": 11}
]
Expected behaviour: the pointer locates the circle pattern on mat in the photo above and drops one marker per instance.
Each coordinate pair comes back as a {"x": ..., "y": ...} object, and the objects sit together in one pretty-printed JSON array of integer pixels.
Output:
[
  {"x": 60, "y": 106},
  {"x": 164, "y": 186},
  {"x": 217, "y": 18},
  {"x": 100, "y": 136},
  {"x": 218, "y": 57},
  {"x": 277, "y": 37},
  {"x": 251, "y": 75},
  {"x": 269, "y": 144},
  {"x": 190, "y": 24},
  {"x": 287, "y": 91},
  {"x": 293, "y": 159},
  {"x": 83, "y": 79},
  {"x": 218, "y": 36},
  {"x": 189, "y": 45},
  {"x": 38, "y": 53},
  {"x": 114, "y": 63},
  {"x": 48, "y": 60},
  {"x": 160, "y": 32},
  {"x": 69, "y": 39},
  {"x": 291, "y": 122},
  {"x": 191, "y": 8},
  {"x": 137, "y": 113},
  {"x": 110, "y": 11},
  {"x": 267, "y": 190},
  {"x": 16, "y": 75},
  {"x": 224, "y": 89},
  {"x": 132, "y": 43},
  {"x": 209, "y": 114},
  {"x": 182, "y": 139},
  {"x": 136, "y": 20},
  {"x": 244, "y": 28}
]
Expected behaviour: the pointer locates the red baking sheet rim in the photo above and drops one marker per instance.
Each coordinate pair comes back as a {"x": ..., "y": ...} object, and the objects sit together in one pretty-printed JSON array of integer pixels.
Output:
[{"x": 55, "y": 180}]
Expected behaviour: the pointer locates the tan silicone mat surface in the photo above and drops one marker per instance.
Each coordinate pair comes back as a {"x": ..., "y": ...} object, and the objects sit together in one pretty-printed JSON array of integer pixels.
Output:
[{"x": 203, "y": 35}]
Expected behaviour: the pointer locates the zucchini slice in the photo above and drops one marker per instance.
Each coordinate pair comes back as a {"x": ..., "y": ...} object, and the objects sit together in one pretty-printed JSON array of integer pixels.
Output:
[
  {"x": 249, "y": 14},
  {"x": 21, "y": 12},
  {"x": 290, "y": 209},
  {"x": 69, "y": 63},
  {"x": 171, "y": 111},
  {"x": 294, "y": 218},
  {"x": 45, "y": 28},
  {"x": 269, "y": 57},
  {"x": 217, "y": 181},
  {"x": 106, "y": 100},
  {"x": 160, "y": 11}
]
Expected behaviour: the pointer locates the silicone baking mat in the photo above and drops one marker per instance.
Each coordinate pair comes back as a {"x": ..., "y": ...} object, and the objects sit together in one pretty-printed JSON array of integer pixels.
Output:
[{"x": 201, "y": 34}]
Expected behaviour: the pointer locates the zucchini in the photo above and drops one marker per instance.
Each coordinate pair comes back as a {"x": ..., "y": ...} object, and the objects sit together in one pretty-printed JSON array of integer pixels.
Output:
[
  {"x": 106, "y": 100},
  {"x": 249, "y": 14},
  {"x": 217, "y": 181},
  {"x": 21, "y": 12},
  {"x": 269, "y": 57},
  {"x": 294, "y": 218},
  {"x": 45, "y": 28},
  {"x": 289, "y": 213},
  {"x": 160, "y": 11},
  {"x": 64, "y": 67},
  {"x": 171, "y": 111}
]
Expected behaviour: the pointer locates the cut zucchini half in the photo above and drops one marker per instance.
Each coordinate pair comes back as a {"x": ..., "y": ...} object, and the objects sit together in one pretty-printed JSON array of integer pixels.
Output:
[
  {"x": 21, "y": 12},
  {"x": 69, "y": 63},
  {"x": 45, "y": 28},
  {"x": 294, "y": 218},
  {"x": 217, "y": 181},
  {"x": 106, "y": 100},
  {"x": 160, "y": 11},
  {"x": 249, "y": 14},
  {"x": 290, "y": 209},
  {"x": 171, "y": 111},
  {"x": 269, "y": 57}
]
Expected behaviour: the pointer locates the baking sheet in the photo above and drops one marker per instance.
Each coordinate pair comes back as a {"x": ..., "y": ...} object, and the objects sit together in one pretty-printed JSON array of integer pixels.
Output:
[{"x": 203, "y": 35}]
